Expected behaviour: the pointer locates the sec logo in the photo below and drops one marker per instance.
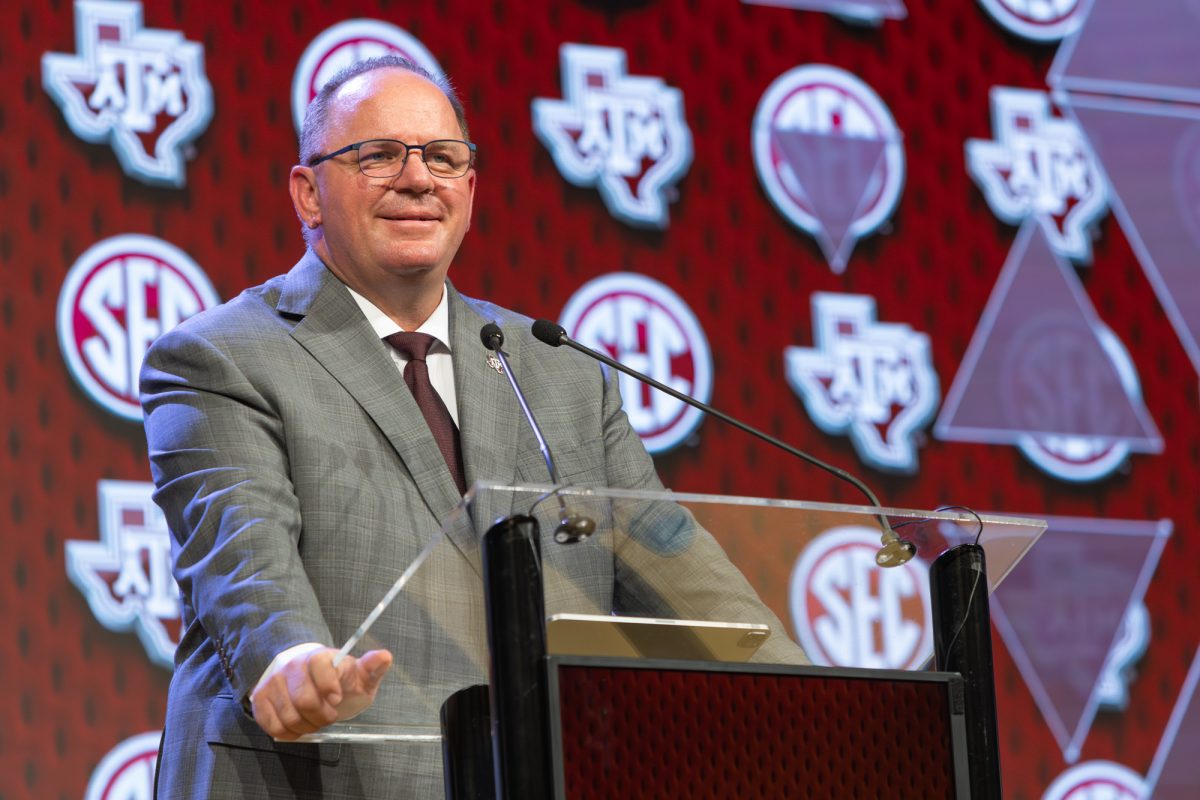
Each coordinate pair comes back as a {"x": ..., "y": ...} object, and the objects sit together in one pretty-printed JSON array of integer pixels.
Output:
[
  {"x": 1035, "y": 370},
  {"x": 127, "y": 772},
  {"x": 646, "y": 326},
  {"x": 1097, "y": 780},
  {"x": 345, "y": 43},
  {"x": 117, "y": 298},
  {"x": 849, "y": 612},
  {"x": 829, "y": 155},
  {"x": 1037, "y": 20}
]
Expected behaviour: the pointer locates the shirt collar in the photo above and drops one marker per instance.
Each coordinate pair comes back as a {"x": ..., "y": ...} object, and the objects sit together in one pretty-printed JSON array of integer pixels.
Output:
[{"x": 437, "y": 326}]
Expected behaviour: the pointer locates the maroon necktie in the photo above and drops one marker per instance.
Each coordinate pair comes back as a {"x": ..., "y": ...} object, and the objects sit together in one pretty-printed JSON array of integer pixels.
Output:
[{"x": 414, "y": 347}]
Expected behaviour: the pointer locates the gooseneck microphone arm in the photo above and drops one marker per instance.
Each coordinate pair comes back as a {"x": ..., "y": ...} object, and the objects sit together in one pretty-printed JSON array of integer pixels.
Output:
[
  {"x": 895, "y": 551},
  {"x": 571, "y": 527},
  {"x": 493, "y": 339}
]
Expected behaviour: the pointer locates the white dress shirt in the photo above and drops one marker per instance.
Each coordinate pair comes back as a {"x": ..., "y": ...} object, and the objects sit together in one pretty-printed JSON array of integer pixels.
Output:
[{"x": 441, "y": 366}]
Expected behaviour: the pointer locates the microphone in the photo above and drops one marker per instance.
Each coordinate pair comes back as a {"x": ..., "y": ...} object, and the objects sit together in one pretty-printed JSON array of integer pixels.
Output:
[
  {"x": 893, "y": 552},
  {"x": 572, "y": 527}
]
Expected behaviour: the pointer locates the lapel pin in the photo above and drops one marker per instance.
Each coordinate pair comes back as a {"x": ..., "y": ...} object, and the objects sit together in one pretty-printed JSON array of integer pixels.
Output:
[{"x": 494, "y": 363}]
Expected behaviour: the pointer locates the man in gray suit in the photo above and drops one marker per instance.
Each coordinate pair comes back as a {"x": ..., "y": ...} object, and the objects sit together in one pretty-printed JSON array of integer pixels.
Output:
[{"x": 299, "y": 475}]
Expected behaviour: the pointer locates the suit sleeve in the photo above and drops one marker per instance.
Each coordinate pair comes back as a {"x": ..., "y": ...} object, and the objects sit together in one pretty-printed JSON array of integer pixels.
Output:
[
  {"x": 667, "y": 563},
  {"x": 219, "y": 461}
]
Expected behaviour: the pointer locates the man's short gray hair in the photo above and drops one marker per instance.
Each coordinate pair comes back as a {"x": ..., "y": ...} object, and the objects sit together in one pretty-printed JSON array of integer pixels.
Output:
[{"x": 316, "y": 119}]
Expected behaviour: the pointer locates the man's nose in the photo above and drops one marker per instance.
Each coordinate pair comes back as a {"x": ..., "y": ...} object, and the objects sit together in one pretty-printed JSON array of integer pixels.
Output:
[{"x": 415, "y": 177}]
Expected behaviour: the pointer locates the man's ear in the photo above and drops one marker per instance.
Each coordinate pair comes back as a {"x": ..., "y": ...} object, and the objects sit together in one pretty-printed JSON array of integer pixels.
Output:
[
  {"x": 470, "y": 196},
  {"x": 306, "y": 198}
]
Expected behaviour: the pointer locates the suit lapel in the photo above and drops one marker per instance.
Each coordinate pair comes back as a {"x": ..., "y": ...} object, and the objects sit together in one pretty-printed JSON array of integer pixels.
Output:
[
  {"x": 488, "y": 414},
  {"x": 335, "y": 332}
]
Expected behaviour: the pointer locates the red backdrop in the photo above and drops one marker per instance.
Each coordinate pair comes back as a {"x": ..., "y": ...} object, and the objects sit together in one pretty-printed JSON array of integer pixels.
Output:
[{"x": 75, "y": 690}]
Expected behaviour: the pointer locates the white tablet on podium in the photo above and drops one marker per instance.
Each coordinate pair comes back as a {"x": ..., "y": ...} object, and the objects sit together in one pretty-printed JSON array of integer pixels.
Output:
[{"x": 648, "y": 637}]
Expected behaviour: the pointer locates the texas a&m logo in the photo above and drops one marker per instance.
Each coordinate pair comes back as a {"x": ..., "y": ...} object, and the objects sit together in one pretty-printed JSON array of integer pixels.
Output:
[
  {"x": 118, "y": 297},
  {"x": 850, "y": 612},
  {"x": 1039, "y": 166},
  {"x": 625, "y": 135},
  {"x": 142, "y": 90},
  {"x": 829, "y": 155},
  {"x": 1038, "y": 20},
  {"x": 870, "y": 379},
  {"x": 646, "y": 326},
  {"x": 126, "y": 575},
  {"x": 344, "y": 44}
]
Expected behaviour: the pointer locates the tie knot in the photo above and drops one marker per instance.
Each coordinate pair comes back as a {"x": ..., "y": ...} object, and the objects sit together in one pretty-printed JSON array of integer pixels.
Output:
[{"x": 413, "y": 346}]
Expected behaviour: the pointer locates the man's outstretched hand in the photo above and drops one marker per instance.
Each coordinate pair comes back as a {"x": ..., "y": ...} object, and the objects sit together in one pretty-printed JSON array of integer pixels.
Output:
[{"x": 308, "y": 692}]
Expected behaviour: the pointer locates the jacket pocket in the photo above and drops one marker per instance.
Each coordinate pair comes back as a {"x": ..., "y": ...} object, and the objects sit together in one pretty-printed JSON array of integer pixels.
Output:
[{"x": 227, "y": 725}]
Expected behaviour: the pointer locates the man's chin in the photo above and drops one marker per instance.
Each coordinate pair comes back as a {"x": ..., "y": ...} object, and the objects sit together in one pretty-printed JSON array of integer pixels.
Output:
[{"x": 414, "y": 269}]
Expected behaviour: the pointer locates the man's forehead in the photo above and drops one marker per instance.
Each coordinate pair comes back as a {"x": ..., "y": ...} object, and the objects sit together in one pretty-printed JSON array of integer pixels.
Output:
[
  {"x": 390, "y": 95},
  {"x": 385, "y": 81}
]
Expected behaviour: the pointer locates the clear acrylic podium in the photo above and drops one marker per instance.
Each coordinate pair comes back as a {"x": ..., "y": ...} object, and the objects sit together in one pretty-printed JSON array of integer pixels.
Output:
[{"x": 649, "y": 554}]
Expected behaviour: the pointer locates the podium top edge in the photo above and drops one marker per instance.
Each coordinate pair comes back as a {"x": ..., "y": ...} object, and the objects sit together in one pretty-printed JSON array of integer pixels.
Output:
[{"x": 480, "y": 487}]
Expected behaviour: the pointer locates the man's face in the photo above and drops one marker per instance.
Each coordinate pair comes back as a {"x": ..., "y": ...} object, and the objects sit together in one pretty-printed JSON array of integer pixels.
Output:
[{"x": 375, "y": 230}]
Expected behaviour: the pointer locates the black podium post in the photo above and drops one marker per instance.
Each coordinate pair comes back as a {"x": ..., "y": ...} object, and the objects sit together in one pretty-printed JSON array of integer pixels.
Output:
[
  {"x": 467, "y": 745},
  {"x": 962, "y": 643},
  {"x": 516, "y": 632}
]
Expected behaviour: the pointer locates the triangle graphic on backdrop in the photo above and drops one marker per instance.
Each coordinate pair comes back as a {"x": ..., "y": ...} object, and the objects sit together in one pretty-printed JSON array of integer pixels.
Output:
[
  {"x": 1172, "y": 774},
  {"x": 1153, "y": 164},
  {"x": 1036, "y": 365},
  {"x": 1060, "y": 632},
  {"x": 838, "y": 175},
  {"x": 1133, "y": 49}
]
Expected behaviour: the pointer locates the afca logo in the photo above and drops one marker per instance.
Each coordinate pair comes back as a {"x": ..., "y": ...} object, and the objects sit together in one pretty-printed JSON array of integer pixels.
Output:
[
  {"x": 850, "y": 612},
  {"x": 118, "y": 297},
  {"x": 1039, "y": 166},
  {"x": 1097, "y": 780},
  {"x": 646, "y": 326},
  {"x": 127, "y": 771},
  {"x": 1037, "y": 20},
  {"x": 344, "y": 44},
  {"x": 625, "y": 135},
  {"x": 829, "y": 155},
  {"x": 143, "y": 90},
  {"x": 872, "y": 380},
  {"x": 126, "y": 575}
]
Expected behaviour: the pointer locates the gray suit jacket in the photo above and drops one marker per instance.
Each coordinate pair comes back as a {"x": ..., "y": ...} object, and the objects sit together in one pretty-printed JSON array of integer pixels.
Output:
[{"x": 299, "y": 478}]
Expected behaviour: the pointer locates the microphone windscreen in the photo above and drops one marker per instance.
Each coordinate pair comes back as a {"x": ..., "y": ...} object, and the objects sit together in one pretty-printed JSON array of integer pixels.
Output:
[
  {"x": 549, "y": 332},
  {"x": 491, "y": 336}
]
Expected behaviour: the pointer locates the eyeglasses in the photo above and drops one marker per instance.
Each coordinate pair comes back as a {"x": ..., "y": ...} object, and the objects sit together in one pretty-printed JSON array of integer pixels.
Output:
[{"x": 385, "y": 158}]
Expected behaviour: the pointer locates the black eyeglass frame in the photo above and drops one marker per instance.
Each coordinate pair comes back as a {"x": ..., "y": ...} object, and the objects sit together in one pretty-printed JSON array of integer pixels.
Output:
[{"x": 408, "y": 148}]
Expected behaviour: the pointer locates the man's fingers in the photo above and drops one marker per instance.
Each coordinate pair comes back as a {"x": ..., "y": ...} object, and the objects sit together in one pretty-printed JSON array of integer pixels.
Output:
[
  {"x": 295, "y": 685},
  {"x": 289, "y": 716},
  {"x": 267, "y": 719},
  {"x": 324, "y": 677},
  {"x": 275, "y": 714},
  {"x": 312, "y": 706}
]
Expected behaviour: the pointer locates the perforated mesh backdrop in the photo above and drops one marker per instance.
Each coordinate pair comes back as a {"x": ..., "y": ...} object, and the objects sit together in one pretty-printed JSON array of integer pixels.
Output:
[{"x": 74, "y": 690}]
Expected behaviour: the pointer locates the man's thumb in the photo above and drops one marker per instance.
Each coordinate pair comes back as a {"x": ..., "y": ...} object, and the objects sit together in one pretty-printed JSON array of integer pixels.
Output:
[{"x": 376, "y": 664}]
